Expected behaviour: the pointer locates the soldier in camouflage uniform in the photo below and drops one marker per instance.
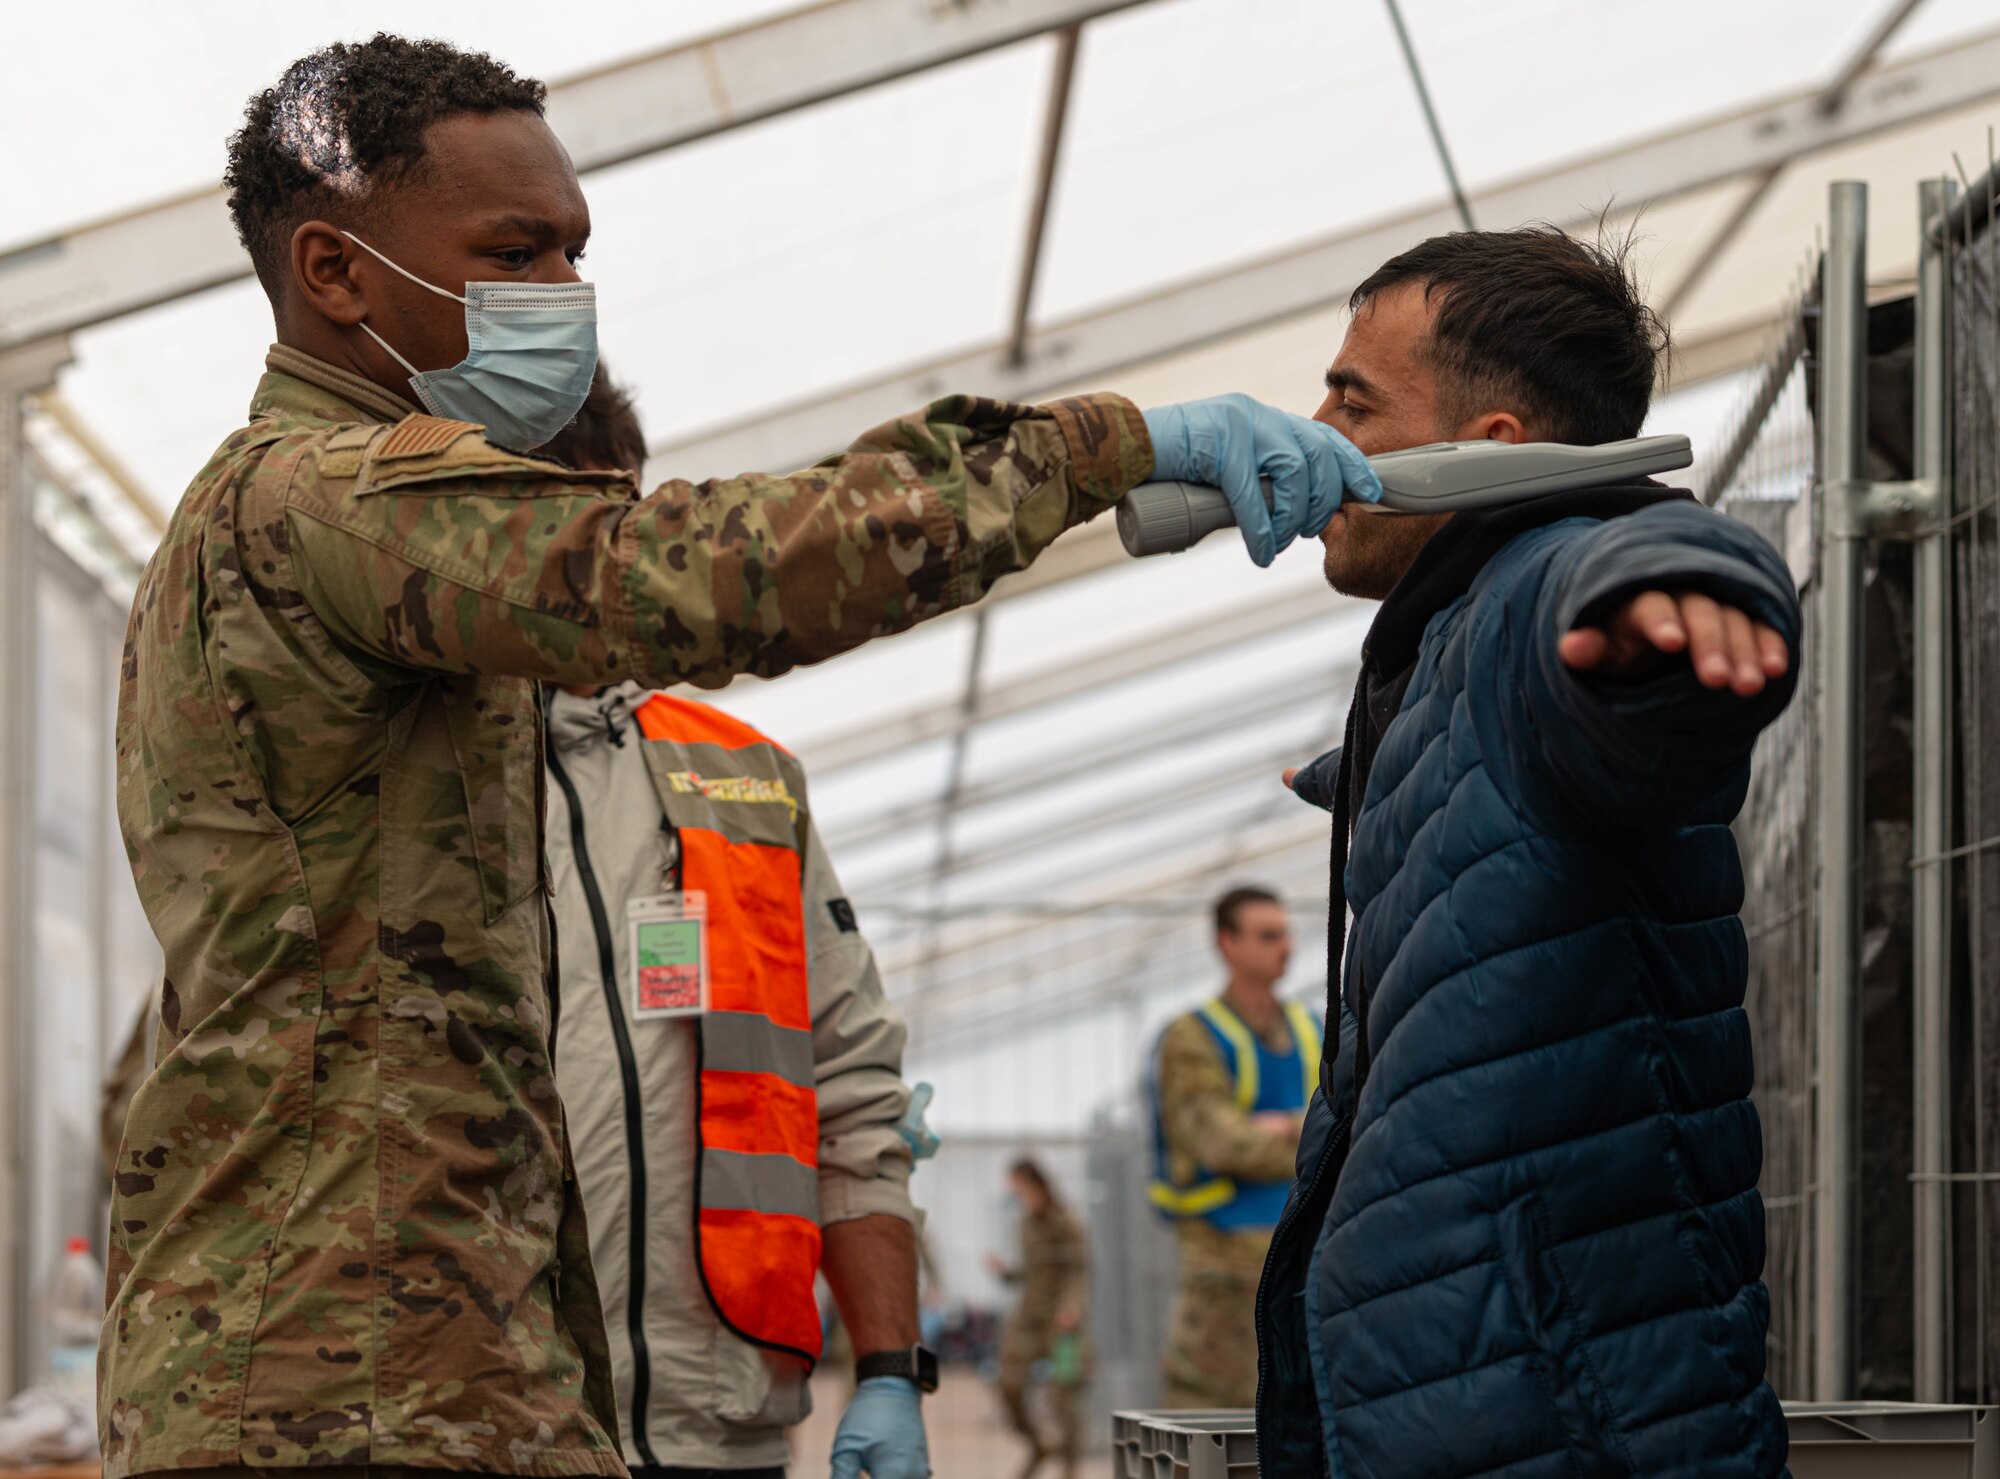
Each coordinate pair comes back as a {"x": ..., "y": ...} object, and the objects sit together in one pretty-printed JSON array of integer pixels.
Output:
[
  {"x": 1231, "y": 1082},
  {"x": 345, "y": 1228},
  {"x": 1047, "y": 1323}
]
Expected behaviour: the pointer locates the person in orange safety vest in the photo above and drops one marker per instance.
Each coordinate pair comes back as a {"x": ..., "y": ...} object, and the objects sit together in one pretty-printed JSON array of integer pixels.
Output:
[{"x": 733, "y": 1076}]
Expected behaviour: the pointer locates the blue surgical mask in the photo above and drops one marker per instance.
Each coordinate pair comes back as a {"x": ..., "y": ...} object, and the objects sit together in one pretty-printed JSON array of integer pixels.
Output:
[{"x": 530, "y": 352}]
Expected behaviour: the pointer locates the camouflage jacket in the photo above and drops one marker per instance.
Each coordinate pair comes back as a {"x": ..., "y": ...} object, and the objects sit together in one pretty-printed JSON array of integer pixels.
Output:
[
  {"x": 344, "y": 1230},
  {"x": 1054, "y": 1271}
]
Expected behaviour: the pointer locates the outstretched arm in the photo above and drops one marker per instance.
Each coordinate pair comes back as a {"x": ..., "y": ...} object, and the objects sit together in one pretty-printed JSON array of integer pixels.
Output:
[
  {"x": 423, "y": 546},
  {"x": 1663, "y": 642}
]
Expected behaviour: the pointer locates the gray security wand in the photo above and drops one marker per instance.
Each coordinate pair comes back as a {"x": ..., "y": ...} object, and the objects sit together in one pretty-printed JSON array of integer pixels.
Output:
[{"x": 1443, "y": 477}]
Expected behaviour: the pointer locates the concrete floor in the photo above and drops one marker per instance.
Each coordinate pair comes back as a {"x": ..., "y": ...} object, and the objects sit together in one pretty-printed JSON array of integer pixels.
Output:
[{"x": 969, "y": 1438}]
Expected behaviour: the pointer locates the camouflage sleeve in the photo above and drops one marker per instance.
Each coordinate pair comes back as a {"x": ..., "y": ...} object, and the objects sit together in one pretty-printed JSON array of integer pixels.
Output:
[
  {"x": 1202, "y": 1119},
  {"x": 425, "y": 546}
]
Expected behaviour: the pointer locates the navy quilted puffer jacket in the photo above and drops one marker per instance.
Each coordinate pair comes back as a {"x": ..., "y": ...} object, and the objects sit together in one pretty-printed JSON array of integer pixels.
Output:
[{"x": 1527, "y": 1239}]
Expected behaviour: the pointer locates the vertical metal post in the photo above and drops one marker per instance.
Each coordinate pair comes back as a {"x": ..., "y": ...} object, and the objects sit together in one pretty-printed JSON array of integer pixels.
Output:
[
  {"x": 1930, "y": 830},
  {"x": 22, "y": 371},
  {"x": 1843, "y": 420},
  {"x": 16, "y": 919}
]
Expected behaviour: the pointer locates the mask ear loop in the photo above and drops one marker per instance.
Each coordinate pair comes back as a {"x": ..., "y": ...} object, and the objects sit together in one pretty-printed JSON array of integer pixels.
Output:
[
  {"x": 387, "y": 348},
  {"x": 394, "y": 267}
]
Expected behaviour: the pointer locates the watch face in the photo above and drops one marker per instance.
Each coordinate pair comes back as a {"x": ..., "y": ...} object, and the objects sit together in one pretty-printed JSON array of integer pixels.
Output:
[{"x": 927, "y": 1368}]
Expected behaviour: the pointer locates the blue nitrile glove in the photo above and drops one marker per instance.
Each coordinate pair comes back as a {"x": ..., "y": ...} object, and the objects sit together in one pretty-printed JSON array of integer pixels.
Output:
[
  {"x": 920, "y": 1137},
  {"x": 882, "y": 1432},
  {"x": 1231, "y": 441}
]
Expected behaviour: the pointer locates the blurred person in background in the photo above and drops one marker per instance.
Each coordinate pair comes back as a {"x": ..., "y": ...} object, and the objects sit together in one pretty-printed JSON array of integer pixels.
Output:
[
  {"x": 1230, "y": 1084},
  {"x": 1045, "y": 1335},
  {"x": 728, "y": 1149}
]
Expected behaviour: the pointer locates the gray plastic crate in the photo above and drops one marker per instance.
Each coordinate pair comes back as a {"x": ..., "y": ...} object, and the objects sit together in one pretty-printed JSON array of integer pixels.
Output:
[
  {"x": 1892, "y": 1440},
  {"x": 1830, "y": 1440},
  {"x": 1220, "y": 1444}
]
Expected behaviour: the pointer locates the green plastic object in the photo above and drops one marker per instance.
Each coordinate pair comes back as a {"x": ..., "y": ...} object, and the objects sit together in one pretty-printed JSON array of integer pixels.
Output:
[{"x": 1066, "y": 1359}]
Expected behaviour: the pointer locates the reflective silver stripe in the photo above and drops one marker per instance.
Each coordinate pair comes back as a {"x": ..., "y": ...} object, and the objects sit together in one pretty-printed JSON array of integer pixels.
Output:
[
  {"x": 744, "y": 1042},
  {"x": 733, "y": 1181}
]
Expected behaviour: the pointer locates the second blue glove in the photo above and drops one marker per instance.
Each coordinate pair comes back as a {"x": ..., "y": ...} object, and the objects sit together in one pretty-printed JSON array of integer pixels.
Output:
[
  {"x": 1232, "y": 441},
  {"x": 882, "y": 1432}
]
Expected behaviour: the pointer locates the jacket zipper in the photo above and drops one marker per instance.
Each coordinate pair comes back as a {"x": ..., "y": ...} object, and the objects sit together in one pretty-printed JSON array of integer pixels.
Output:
[{"x": 635, "y": 1150}]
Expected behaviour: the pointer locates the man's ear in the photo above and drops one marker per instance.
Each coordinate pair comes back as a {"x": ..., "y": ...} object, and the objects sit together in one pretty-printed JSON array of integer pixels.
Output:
[
  {"x": 1493, "y": 426},
  {"x": 322, "y": 267}
]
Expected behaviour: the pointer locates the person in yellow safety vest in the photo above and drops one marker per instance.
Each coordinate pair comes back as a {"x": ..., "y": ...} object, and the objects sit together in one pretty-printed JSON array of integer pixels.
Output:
[
  {"x": 1231, "y": 1081},
  {"x": 733, "y": 1075}
]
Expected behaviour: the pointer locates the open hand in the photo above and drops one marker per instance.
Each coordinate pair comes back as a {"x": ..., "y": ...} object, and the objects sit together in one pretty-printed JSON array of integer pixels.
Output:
[{"x": 1727, "y": 648}]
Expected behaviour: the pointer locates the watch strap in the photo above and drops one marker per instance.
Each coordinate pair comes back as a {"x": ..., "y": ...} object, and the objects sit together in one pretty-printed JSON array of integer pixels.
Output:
[{"x": 913, "y": 1362}]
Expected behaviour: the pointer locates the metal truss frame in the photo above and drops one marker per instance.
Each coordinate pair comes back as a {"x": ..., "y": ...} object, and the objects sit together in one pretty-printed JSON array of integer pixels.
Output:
[{"x": 1252, "y": 295}]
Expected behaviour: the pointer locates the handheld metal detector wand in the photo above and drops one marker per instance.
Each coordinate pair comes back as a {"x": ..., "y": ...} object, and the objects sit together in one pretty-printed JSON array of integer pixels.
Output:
[{"x": 1443, "y": 477}]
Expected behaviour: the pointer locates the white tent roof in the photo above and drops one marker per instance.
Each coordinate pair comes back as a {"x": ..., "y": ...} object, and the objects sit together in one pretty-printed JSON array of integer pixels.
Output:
[{"x": 1126, "y": 727}]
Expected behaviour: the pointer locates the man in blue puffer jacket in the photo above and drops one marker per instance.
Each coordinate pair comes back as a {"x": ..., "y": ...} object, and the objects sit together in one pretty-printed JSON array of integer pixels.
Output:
[{"x": 1526, "y": 1238}]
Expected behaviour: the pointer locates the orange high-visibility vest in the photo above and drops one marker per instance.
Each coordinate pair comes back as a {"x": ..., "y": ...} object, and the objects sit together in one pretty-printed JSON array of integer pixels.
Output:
[{"x": 735, "y": 798}]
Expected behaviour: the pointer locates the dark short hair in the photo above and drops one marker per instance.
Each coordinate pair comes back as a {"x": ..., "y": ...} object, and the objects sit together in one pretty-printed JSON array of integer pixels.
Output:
[
  {"x": 1030, "y": 1170},
  {"x": 605, "y": 434},
  {"x": 1231, "y": 904},
  {"x": 1535, "y": 322},
  {"x": 345, "y": 118}
]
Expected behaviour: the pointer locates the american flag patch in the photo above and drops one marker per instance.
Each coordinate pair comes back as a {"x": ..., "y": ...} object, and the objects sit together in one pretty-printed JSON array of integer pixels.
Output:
[{"x": 415, "y": 436}]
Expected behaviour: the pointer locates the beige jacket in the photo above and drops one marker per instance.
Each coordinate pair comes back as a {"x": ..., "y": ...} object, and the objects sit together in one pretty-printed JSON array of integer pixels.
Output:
[{"x": 709, "y": 1399}]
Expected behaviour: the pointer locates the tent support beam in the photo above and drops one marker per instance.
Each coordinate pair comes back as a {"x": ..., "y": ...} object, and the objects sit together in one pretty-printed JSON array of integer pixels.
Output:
[
  {"x": 1086, "y": 349},
  {"x": 1436, "y": 128},
  {"x": 1060, "y": 87},
  {"x": 1831, "y": 99},
  {"x": 1179, "y": 644},
  {"x": 610, "y": 116},
  {"x": 23, "y": 372},
  {"x": 1272, "y": 707}
]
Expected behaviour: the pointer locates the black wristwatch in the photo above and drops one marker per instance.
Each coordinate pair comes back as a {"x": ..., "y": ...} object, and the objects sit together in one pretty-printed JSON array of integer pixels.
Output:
[{"x": 917, "y": 1363}]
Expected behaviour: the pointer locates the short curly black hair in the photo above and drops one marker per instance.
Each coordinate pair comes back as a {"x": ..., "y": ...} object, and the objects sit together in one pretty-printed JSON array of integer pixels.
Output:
[{"x": 346, "y": 117}]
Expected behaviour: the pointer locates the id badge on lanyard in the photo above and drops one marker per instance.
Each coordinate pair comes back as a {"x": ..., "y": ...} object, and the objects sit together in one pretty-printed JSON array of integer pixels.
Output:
[{"x": 667, "y": 935}]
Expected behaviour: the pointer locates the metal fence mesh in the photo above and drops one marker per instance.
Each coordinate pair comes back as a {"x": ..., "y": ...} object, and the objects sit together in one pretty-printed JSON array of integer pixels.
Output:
[
  {"x": 1974, "y": 856},
  {"x": 1775, "y": 835},
  {"x": 1770, "y": 488}
]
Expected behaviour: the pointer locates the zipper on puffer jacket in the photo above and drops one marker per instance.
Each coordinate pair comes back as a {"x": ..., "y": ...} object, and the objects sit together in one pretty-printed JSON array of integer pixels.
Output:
[{"x": 635, "y": 1149}]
